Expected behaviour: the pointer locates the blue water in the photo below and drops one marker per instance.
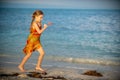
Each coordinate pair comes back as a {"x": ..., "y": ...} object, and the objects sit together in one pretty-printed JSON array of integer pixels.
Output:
[{"x": 87, "y": 36}]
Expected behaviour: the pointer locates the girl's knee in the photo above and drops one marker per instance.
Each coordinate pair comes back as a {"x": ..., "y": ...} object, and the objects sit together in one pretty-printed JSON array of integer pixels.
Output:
[
  {"x": 42, "y": 53},
  {"x": 28, "y": 55}
]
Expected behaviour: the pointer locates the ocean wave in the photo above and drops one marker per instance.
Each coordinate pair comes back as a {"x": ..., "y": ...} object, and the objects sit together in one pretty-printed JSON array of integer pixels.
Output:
[
  {"x": 5, "y": 55},
  {"x": 9, "y": 56},
  {"x": 76, "y": 60},
  {"x": 112, "y": 62},
  {"x": 82, "y": 60}
]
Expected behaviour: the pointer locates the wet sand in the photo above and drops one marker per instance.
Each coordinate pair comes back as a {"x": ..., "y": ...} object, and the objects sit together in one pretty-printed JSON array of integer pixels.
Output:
[
  {"x": 66, "y": 72},
  {"x": 69, "y": 71}
]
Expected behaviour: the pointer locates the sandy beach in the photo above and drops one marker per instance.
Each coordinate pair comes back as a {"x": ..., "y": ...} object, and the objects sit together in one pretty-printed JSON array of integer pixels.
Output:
[{"x": 69, "y": 72}]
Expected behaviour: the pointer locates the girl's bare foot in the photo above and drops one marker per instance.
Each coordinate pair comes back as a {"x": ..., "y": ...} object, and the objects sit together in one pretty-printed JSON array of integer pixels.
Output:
[
  {"x": 39, "y": 69},
  {"x": 21, "y": 69}
]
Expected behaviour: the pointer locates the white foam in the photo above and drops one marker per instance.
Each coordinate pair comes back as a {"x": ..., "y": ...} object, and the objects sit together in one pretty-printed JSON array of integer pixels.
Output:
[{"x": 82, "y": 60}]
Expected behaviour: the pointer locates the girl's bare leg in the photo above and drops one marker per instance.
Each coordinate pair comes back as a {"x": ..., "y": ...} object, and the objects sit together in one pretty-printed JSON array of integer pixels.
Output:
[
  {"x": 40, "y": 58},
  {"x": 24, "y": 60}
]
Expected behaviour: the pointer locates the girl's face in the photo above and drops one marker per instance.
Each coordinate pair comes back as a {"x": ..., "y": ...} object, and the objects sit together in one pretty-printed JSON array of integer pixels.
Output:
[{"x": 39, "y": 18}]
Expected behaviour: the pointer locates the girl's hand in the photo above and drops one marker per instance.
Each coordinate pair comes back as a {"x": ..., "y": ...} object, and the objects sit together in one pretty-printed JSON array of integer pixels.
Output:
[
  {"x": 45, "y": 25},
  {"x": 48, "y": 24}
]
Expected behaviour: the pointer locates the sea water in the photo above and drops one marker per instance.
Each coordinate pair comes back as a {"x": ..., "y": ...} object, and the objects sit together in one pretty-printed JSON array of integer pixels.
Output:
[{"x": 76, "y": 35}]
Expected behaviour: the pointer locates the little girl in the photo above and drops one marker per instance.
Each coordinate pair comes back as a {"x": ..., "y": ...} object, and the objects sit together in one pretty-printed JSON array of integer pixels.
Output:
[{"x": 33, "y": 41}]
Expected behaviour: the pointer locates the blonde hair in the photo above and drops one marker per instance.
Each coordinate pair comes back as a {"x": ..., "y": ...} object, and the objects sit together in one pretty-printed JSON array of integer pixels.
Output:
[{"x": 36, "y": 13}]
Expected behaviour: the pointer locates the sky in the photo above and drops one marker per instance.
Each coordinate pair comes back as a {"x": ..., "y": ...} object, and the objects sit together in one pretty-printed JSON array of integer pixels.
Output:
[{"x": 65, "y": 4}]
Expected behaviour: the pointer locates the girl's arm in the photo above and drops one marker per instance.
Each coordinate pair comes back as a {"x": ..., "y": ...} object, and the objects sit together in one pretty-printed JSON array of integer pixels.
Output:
[{"x": 37, "y": 28}]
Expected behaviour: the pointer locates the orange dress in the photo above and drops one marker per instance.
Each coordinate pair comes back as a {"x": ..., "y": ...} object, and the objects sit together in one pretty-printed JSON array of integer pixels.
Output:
[{"x": 33, "y": 41}]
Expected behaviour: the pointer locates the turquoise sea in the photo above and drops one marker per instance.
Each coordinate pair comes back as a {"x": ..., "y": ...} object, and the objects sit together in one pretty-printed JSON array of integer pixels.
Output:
[{"x": 76, "y": 36}]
